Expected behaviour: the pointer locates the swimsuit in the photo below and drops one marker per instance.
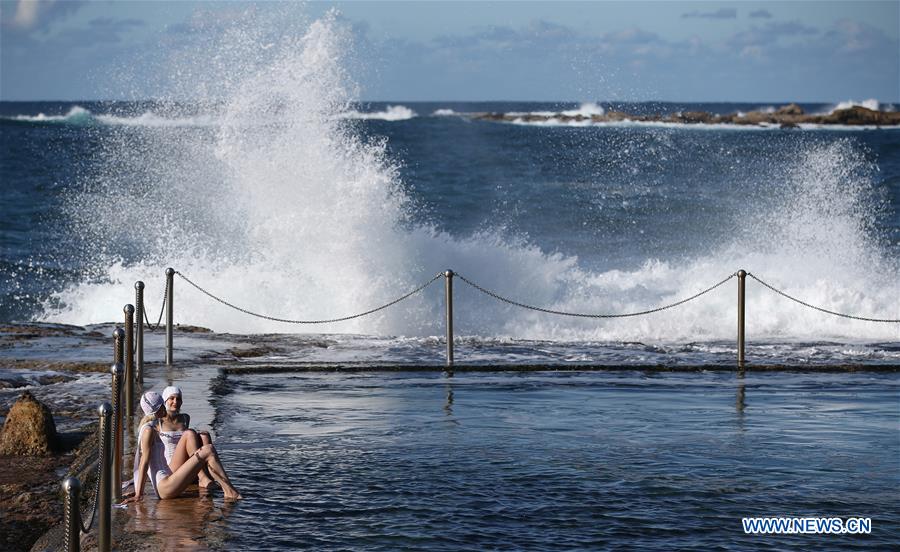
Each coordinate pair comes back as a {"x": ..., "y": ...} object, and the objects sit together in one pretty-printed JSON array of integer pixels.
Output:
[
  {"x": 158, "y": 469},
  {"x": 170, "y": 440}
]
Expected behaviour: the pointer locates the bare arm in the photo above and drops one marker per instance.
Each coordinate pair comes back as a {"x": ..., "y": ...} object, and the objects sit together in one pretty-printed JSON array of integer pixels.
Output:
[{"x": 146, "y": 437}]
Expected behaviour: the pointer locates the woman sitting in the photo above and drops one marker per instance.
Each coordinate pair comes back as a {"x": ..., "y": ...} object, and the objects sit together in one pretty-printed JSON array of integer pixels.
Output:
[
  {"x": 150, "y": 459},
  {"x": 173, "y": 428}
]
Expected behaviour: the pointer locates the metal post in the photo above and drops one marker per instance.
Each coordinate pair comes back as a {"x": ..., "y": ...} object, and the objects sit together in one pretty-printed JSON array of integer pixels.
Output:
[
  {"x": 170, "y": 318},
  {"x": 139, "y": 332},
  {"x": 104, "y": 492},
  {"x": 118, "y": 442},
  {"x": 742, "y": 275},
  {"x": 72, "y": 513},
  {"x": 129, "y": 362},
  {"x": 118, "y": 345},
  {"x": 448, "y": 293}
]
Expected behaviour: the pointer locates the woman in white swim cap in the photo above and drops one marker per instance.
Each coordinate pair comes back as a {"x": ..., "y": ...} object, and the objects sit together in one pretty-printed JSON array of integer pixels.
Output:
[
  {"x": 150, "y": 461},
  {"x": 174, "y": 430}
]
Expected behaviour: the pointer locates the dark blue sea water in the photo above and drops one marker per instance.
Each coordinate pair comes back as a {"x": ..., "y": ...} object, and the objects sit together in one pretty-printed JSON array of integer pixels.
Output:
[
  {"x": 274, "y": 190},
  {"x": 300, "y": 214}
]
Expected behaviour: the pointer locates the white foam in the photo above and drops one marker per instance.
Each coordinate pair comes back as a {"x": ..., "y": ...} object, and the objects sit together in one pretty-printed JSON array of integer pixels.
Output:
[
  {"x": 391, "y": 113},
  {"x": 75, "y": 114},
  {"x": 444, "y": 113},
  {"x": 871, "y": 103},
  {"x": 626, "y": 123},
  {"x": 78, "y": 115},
  {"x": 586, "y": 109},
  {"x": 307, "y": 220}
]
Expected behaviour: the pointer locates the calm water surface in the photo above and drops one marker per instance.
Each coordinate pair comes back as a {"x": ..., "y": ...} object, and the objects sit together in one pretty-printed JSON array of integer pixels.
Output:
[{"x": 545, "y": 461}]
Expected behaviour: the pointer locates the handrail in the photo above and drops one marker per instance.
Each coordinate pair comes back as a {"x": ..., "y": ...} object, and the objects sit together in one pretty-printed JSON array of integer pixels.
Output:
[{"x": 448, "y": 276}]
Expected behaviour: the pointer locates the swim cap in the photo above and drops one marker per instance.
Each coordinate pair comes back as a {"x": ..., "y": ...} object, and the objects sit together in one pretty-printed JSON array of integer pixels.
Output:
[
  {"x": 169, "y": 391},
  {"x": 150, "y": 402}
]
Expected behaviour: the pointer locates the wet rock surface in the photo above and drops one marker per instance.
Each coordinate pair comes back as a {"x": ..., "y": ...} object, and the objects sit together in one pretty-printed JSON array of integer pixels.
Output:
[
  {"x": 30, "y": 492},
  {"x": 29, "y": 429},
  {"x": 30, "y": 500}
]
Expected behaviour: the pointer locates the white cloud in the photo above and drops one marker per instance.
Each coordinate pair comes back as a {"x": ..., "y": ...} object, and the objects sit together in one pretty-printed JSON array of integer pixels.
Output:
[
  {"x": 26, "y": 14},
  {"x": 33, "y": 14},
  {"x": 721, "y": 13}
]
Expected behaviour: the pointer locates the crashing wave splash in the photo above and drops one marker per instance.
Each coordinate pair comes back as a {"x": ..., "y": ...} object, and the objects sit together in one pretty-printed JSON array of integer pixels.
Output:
[{"x": 307, "y": 219}]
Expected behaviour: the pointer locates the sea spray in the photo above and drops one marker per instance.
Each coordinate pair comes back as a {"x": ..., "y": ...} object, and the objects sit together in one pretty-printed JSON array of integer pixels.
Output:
[{"x": 284, "y": 207}]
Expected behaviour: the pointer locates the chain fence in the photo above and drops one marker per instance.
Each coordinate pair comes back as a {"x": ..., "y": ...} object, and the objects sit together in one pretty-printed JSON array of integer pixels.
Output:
[
  {"x": 86, "y": 528},
  {"x": 512, "y": 302},
  {"x": 820, "y": 309},
  {"x": 590, "y": 315},
  {"x": 291, "y": 321},
  {"x": 162, "y": 310}
]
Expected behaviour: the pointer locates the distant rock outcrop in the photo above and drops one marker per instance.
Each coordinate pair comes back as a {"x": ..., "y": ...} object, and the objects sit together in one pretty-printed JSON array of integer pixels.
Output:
[
  {"x": 29, "y": 429},
  {"x": 788, "y": 116},
  {"x": 858, "y": 115},
  {"x": 790, "y": 109}
]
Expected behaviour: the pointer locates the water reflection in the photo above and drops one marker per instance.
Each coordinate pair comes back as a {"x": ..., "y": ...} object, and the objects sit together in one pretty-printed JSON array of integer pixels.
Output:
[
  {"x": 191, "y": 522},
  {"x": 741, "y": 401},
  {"x": 448, "y": 405}
]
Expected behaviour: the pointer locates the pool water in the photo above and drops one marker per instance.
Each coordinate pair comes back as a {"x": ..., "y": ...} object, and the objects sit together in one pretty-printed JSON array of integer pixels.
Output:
[{"x": 556, "y": 460}]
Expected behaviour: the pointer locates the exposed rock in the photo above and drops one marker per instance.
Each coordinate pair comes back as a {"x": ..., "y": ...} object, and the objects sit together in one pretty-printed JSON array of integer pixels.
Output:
[
  {"x": 14, "y": 380},
  {"x": 185, "y": 328},
  {"x": 29, "y": 499},
  {"x": 73, "y": 366},
  {"x": 755, "y": 118},
  {"x": 790, "y": 109},
  {"x": 788, "y": 116},
  {"x": 29, "y": 429},
  {"x": 695, "y": 117},
  {"x": 33, "y": 330},
  {"x": 858, "y": 115},
  {"x": 613, "y": 116},
  {"x": 253, "y": 352}
]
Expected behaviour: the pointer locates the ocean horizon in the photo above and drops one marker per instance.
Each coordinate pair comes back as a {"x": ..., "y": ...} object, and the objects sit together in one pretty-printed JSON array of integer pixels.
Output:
[{"x": 312, "y": 235}]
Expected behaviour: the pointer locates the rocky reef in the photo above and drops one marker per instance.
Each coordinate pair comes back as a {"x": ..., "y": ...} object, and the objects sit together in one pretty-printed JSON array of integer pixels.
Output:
[{"x": 788, "y": 116}]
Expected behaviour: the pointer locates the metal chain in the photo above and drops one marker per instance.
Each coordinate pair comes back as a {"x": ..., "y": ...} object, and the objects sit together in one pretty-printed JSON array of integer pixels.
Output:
[
  {"x": 100, "y": 460},
  {"x": 162, "y": 310},
  {"x": 68, "y": 515},
  {"x": 587, "y": 315},
  {"x": 820, "y": 309},
  {"x": 289, "y": 321}
]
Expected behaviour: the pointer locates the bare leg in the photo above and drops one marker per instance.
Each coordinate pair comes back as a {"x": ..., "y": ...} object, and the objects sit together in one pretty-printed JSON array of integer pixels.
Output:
[
  {"x": 175, "y": 484},
  {"x": 217, "y": 470},
  {"x": 189, "y": 443},
  {"x": 206, "y": 479}
]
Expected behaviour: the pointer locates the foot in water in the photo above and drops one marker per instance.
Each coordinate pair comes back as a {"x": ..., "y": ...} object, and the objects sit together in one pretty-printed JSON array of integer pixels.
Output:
[{"x": 231, "y": 494}]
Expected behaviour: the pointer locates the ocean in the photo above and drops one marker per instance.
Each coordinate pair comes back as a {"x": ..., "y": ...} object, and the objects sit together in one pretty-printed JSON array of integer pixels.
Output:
[
  {"x": 282, "y": 194},
  {"x": 298, "y": 217}
]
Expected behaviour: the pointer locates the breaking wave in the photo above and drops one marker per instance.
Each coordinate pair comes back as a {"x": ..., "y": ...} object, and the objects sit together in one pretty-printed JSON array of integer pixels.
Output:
[{"x": 308, "y": 219}]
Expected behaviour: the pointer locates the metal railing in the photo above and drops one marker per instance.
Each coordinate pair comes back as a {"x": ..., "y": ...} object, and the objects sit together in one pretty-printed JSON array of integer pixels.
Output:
[
  {"x": 448, "y": 275},
  {"x": 128, "y": 372},
  {"x": 108, "y": 485},
  {"x": 74, "y": 525}
]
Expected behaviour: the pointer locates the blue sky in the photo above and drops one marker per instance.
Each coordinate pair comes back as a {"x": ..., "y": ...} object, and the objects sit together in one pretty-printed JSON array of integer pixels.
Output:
[{"x": 681, "y": 51}]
